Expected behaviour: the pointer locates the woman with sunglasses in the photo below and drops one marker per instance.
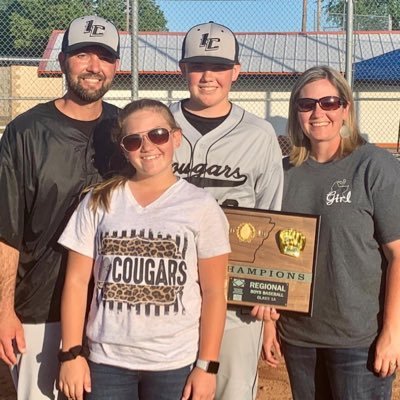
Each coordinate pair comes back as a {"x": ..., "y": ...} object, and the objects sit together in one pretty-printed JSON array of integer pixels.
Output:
[
  {"x": 157, "y": 248},
  {"x": 350, "y": 348}
]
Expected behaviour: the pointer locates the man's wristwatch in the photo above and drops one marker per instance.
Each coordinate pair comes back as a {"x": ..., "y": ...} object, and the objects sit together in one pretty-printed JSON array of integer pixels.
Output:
[{"x": 209, "y": 366}]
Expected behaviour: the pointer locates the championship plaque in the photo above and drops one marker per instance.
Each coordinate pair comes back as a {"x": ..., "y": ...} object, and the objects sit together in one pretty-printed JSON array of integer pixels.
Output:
[{"x": 273, "y": 258}]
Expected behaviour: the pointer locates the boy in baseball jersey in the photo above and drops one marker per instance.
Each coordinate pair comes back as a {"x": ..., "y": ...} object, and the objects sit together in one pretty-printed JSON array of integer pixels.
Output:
[{"x": 234, "y": 155}]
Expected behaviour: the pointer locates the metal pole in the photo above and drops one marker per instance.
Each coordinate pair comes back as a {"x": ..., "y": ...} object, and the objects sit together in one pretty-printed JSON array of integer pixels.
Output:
[
  {"x": 127, "y": 16},
  {"x": 135, "y": 49},
  {"x": 319, "y": 15},
  {"x": 304, "y": 17},
  {"x": 349, "y": 43}
]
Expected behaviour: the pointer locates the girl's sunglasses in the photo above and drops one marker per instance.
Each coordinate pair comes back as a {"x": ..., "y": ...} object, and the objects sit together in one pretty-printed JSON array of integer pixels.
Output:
[
  {"x": 134, "y": 141},
  {"x": 328, "y": 103}
]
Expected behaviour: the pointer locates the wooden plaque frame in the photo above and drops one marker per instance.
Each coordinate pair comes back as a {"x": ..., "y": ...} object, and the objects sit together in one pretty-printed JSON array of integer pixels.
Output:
[{"x": 273, "y": 258}]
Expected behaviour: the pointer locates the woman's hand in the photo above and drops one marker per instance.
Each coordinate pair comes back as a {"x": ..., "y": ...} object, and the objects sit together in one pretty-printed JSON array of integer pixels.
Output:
[
  {"x": 387, "y": 353},
  {"x": 74, "y": 378}
]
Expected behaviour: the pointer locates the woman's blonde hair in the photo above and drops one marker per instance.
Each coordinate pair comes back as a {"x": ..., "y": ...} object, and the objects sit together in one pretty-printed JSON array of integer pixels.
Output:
[
  {"x": 101, "y": 192},
  {"x": 301, "y": 145}
]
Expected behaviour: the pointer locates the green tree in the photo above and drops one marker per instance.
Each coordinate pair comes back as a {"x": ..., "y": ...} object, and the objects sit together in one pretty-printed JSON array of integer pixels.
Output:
[
  {"x": 151, "y": 17},
  {"x": 26, "y": 25},
  {"x": 368, "y": 14}
]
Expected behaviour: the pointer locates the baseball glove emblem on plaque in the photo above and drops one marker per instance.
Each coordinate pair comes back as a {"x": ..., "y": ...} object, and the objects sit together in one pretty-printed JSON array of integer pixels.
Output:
[{"x": 291, "y": 242}]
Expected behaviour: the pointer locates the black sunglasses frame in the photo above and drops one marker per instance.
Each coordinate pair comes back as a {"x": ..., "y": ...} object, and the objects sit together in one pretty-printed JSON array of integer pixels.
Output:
[
  {"x": 327, "y": 103},
  {"x": 152, "y": 135}
]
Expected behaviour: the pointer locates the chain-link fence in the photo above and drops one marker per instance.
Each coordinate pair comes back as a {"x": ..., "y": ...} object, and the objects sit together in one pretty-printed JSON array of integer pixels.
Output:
[{"x": 278, "y": 40}]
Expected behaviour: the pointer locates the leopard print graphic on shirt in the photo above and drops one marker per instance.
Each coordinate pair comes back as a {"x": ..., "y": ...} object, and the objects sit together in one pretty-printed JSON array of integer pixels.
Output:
[
  {"x": 142, "y": 247},
  {"x": 135, "y": 250}
]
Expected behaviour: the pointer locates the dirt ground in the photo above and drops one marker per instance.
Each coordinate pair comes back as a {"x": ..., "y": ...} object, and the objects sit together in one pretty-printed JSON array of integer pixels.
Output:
[{"x": 273, "y": 384}]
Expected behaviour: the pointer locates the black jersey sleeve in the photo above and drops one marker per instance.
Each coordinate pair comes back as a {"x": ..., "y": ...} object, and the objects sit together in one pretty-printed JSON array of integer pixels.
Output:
[{"x": 11, "y": 187}]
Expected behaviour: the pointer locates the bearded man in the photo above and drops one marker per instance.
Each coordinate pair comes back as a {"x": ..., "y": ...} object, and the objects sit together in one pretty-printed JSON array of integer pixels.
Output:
[{"x": 47, "y": 156}]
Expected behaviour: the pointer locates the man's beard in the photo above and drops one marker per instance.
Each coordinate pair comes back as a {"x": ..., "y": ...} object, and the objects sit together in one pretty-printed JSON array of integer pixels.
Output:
[{"x": 86, "y": 95}]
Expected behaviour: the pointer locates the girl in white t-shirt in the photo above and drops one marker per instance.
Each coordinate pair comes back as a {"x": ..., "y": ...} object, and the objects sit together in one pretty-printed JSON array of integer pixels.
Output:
[{"x": 157, "y": 248}]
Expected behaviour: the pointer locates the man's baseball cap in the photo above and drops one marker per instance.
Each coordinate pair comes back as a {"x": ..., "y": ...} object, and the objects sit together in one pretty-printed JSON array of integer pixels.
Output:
[
  {"x": 91, "y": 31},
  {"x": 210, "y": 43}
]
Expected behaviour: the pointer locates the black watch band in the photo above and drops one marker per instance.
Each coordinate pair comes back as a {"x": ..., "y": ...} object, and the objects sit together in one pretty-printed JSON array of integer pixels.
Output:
[{"x": 73, "y": 352}]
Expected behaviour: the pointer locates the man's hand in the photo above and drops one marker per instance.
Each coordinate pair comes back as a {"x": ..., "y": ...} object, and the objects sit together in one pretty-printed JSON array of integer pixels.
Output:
[
  {"x": 12, "y": 338},
  {"x": 11, "y": 332}
]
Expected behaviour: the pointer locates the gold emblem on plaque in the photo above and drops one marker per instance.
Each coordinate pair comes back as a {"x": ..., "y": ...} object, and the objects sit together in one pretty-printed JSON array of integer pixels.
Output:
[
  {"x": 245, "y": 232},
  {"x": 291, "y": 242}
]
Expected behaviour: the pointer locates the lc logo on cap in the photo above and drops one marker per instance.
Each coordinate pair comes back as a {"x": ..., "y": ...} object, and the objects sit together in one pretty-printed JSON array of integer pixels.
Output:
[
  {"x": 91, "y": 30},
  {"x": 94, "y": 29},
  {"x": 209, "y": 43}
]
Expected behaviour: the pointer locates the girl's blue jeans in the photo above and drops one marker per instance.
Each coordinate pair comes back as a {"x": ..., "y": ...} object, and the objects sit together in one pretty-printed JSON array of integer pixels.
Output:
[{"x": 114, "y": 383}]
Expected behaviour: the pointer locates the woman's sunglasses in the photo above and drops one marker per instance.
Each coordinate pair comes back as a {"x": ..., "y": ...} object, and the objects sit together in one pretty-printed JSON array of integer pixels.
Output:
[
  {"x": 328, "y": 103},
  {"x": 134, "y": 141}
]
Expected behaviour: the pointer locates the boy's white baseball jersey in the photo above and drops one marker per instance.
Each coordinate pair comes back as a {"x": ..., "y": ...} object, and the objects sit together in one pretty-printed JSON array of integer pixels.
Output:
[{"x": 239, "y": 162}]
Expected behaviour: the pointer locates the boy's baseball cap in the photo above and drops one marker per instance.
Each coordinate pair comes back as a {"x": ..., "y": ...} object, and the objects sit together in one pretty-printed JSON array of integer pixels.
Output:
[
  {"x": 210, "y": 43},
  {"x": 91, "y": 31}
]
